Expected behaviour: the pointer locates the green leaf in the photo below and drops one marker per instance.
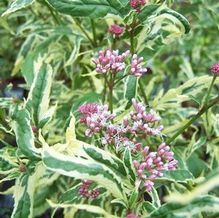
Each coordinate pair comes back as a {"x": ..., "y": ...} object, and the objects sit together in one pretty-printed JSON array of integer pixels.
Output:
[
  {"x": 173, "y": 97},
  {"x": 147, "y": 11},
  {"x": 85, "y": 207},
  {"x": 176, "y": 176},
  {"x": 105, "y": 158},
  {"x": 90, "y": 8},
  {"x": 83, "y": 169},
  {"x": 8, "y": 160},
  {"x": 24, "y": 191},
  {"x": 17, "y": 5},
  {"x": 24, "y": 134},
  {"x": 38, "y": 99},
  {"x": 74, "y": 54},
  {"x": 35, "y": 59},
  {"x": 211, "y": 182},
  {"x": 130, "y": 87},
  {"x": 201, "y": 141},
  {"x": 127, "y": 159},
  {"x": 175, "y": 210},
  {"x": 161, "y": 26},
  {"x": 71, "y": 196},
  {"x": 133, "y": 198},
  {"x": 155, "y": 198},
  {"x": 6, "y": 102}
]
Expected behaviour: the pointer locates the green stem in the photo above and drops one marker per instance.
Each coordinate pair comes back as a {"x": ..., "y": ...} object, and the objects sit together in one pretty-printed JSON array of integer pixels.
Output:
[
  {"x": 207, "y": 97},
  {"x": 84, "y": 31},
  {"x": 111, "y": 85},
  {"x": 94, "y": 32},
  {"x": 201, "y": 111},
  {"x": 132, "y": 46},
  {"x": 54, "y": 15},
  {"x": 209, "y": 90},
  {"x": 104, "y": 90},
  {"x": 117, "y": 81},
  {"x": 132, "y": 42},
  {"x": 111, "y": 100},
  {"x": 143, "y": 93}
]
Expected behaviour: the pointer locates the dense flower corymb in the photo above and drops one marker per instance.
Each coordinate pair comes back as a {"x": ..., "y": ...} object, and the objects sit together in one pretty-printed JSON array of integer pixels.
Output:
[
  {"x": 116, "y": 30},
  {"x": 131, "y": 215},
  {"x": 152, "y": 164},
  {"x": 95, "y": 117},
  {"x": 215, "y": 69},
  {"x": 85, "y": 191},
  {"x": 110, "y": 60},
  {"x": 138, "y": 124},
  {"x": 137, "y": 4}
]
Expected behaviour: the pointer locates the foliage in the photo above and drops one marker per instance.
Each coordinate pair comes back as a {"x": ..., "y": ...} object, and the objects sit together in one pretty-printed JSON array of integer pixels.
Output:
[{"x": 53, "y": 56}]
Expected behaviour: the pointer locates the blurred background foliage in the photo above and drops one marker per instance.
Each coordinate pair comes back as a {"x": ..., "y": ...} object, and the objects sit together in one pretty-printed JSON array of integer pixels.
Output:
[{"x": 39, "y": 31}]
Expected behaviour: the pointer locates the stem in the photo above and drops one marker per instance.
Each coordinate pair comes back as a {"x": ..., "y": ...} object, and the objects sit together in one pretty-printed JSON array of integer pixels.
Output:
[
  {"x": 202, "y": 110},
  {"x": 111, "y": 85},
  {"x": 132, "y": 48},
  {"x": 143, "y": 93},
  {"x": 209, "y": 90},
  {"x": 111, "y": 99},
  {"x": 56, "y": 18},
  {"x": 94, "y": 32},
  {"x": 207, "y": 98},
  {"x": 117, "y": 81},
  {"x": 85, "y": 33},
  {"x": 132, "y": 42},
  {"x": 104, "y": 90}
]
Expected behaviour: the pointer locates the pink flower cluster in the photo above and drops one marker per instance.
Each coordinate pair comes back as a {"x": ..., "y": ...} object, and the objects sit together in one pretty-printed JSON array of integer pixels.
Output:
[
  {"x": 215, "y": 69},
  {"x": 138, "y": 125},
  {"x": 110, "y": 61},
  {"x": 116, "y": 30},
  {"x": 152, "y": 164},
  {"x": 85, "y": 192},
  {"x": 131, "y": 215},
  {"x": 95, "y": 117},
  {"x": 136, "y": 68},
  {"x": 137, "y": 4}
]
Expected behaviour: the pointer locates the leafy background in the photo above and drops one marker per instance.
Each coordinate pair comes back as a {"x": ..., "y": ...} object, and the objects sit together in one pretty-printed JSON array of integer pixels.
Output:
[{"x": 39, "y": 32}]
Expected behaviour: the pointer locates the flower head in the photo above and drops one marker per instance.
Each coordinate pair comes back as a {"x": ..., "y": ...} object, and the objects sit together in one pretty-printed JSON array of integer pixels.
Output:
[
  {"x": 110, "y": 60},
  {"x": 131, "y": 215},
  {"x": 95, "y": 117},
  {"x": 85, "y": 191},
  {"x": 137, "y": 4},
  {"x": 152, "y": 164},
  {"x": 136, "y": 68},
  {"x": 116, "y": 30},
  {"x": 215, "y": 69}
]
